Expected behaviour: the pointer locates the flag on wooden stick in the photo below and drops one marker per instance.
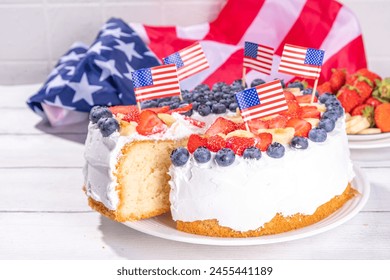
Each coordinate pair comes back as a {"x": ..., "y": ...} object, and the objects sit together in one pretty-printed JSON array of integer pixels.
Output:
[{"x": 258, "y": 57}]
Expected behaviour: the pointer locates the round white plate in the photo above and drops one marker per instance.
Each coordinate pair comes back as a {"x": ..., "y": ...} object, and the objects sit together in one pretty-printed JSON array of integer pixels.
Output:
[
  {"x": 368, "y": 137},
  {"x": 163, "y": 226},
  {"x": 370, "y": 144}
]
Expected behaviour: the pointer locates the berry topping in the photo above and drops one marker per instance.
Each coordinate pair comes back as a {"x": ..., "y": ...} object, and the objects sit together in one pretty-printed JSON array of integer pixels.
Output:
[
  {"x": 300, "y": 126},
  {"x": 98, "y": 112},
  {"x": 300, "y": 143},
  {"x": 327, "y": 124},
  {"x": 195, "y": 122},
  {"x": 330, "y": 115},
  {"x": 239, "y": 144},
  {"x": 263, "y": 141},
  {"x": 324, "y": 88},
  {"x": 108, "y": 126},
  {"x": 215, "y": 143},
  {"x": 202, "y": 155},
  {"x": 233, "y": 106},
  {"x": 294, "y": 110},
  {"x": 225, "y": 157},
  {"x": 289, "y": 95},
  {"x": 221, "y": 125},
  {"x": 180, "y": 156},
  {"x": 218, "y": 108},
  {"x": 277, "y": 122},
  {"x": 129, "y": 112},
  {"x": 195, "y": 141},
  {"x": 324, "y": 97},
  {"x": 257, "y": 82},
  {"x": 204, "y": 110},
  {"x": 181, "y": 110},
  {"x": 317, "y": 134},
  {"x": 305, "y": 98},
  {"x": 252, "y": 153},
  {"x": 276, "y": 150},
  {"x": 163, "y": 109},
  {"x": 149, "y": 123},
  {"x": 257, "y": 124},
  {"x": 310, "y": 112}
]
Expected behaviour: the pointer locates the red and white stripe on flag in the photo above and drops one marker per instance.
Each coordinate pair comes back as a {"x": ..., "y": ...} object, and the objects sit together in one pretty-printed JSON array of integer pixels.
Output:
[
  {"x": 157, "y": 82},
  {"x": 293, "y": 63},
  {"x": 272, "y": 99},
  {"x": 261, "y": 61}
]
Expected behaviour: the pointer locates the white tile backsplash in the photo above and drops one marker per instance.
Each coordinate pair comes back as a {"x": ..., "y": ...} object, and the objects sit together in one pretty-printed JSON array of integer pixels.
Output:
[{"x": 35, "y": 33}]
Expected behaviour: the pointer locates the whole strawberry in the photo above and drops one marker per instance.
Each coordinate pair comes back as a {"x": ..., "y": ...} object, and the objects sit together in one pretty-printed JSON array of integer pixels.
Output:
[
  {"x": 337, "y": 80},
  {"x": 373, "y": 102},
  {"x": 382, "y": 117},
  {"x": 349, "y": 98},
  {"x": 373, "y": 77},
  {"x": 366, "y": 111},
  {"x": 364, "y": 86},
  {"x": 324, "y": 88}
]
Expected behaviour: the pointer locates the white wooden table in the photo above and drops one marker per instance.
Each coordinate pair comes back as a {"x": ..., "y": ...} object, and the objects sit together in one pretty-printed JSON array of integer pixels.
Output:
[{"x": 44, "y": 213}]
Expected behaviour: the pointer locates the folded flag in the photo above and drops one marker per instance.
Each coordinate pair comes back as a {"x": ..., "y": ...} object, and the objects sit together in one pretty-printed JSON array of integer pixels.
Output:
[
  {"x": 258, "y": 57},
  {"x": 99, "y": 74},
  {"x": 262, "y": 101},
  {"x": 301, "y": 62},
  {"x": 157, "y": 82},
  {"x": 189, "y": 61}
]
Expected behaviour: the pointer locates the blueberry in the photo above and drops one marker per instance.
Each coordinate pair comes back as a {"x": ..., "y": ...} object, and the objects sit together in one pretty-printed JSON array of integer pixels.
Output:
[
  {"x": 336, "y": 109},
  {"x": 327, "y": 124},
  {"x": 174, "y": 105},
  {"x": 226, "y": 89},
  {"x": 257, "y": 82},
  {"x": 324, "y": 97},
  {"x": 276, "y": 150},
  {"x": 281, "y": 81},
  {"x": 296, "y": 84},
  {"x": 202, "y": 155},
  {"x": 195, "y": 105},
  {"x": 108, "y": 126},
  {"x": 201, "y": 99},
  {"x": 204, "y": 110},
  {"x": 180, "y": 156},
  {"x": 317, "y": 134},
  {"x": 218, "y": 86},
  {"x": 309, "y": 91},
  {"x": 98, "y": 112},
  {"x": 237, "y": 85},
  {"x": 218, "y": 95},
  {"x": 332, "y": 100},
  {"x": 149, "y": 104},
  {"x": 299, "y": 143},
  {"x": 164, "y": 103},
  {"x": 252, "y": 153},
  {"x": 225, "y": 157},
  {"x": 202, "y": 87},
  {"x": 218, "y": 108},
  {"x": 233, "y": 106},
  {"x": 330, "y": 115},
  {"x": 224, "y": 102}
]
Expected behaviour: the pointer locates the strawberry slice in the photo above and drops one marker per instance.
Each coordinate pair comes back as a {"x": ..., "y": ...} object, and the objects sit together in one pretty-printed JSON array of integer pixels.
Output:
[
  {"x": 215, "y": 143},
  {"x": 277, "y": 122},
  {"x": 195, "y": 122},
  {"x": 294, "y": 110},
  {"x": 149, "y": 123},
  {"x": 310, "y": 112},
  {"x": 301, "y": 127},
  {"x": 221, "y": 125},
  {"x": 195, "y": 141},
  {"x": 289, "y": 95},
  {"x": 239, "y": 144},
  {"x": 130, "y": 112},
  {"x": 159, "y": 110},
  {"x": 305, "y": 98},
  {"x": 263, "y": 140},
  {"x": 181, "y": 110},
  {"x": 257, "y": 124}
]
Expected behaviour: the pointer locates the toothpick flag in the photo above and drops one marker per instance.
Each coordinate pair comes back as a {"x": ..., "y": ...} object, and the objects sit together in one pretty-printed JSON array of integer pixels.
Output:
[
  {"x": 302, "y": 62},
  {"x": 189, "y": 61},
  {"x": 261, "y": 101},
  {"x": 258, "y": 57},
  {"x": 157, "y": 82}
]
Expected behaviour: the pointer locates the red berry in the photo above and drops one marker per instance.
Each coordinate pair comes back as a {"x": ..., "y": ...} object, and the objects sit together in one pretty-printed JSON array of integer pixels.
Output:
[
  {"x": 129, "y": 112},
  {"x": 195, "y": 141},
  {"x": 349, "y": 98},
  {"x": 382, "y": 117},
  {"x": 289, "y": 95},
  {"x": 325, "y": 87},
  {"x": 277, "y": 122},
  {"x": 195, "y": 122},
  {"x": 215, "y": 143},
  {"x": 373, "y": 102},
  {"x": 294, "y": 110},
  {"x": 337, "y": 80},
  {"x": 306, "y": 98},
  {"x": 257, "y": 124},
  {"x": 181, "y": 110},
  {"x": 310, "y": 112},
  {"x": 159, "y": 110},
  {"x": 301, "y": 127},
  {"x": 221, "y": 125},
  {"x": 373, "y": 77},
  {"x": 149, "y": 123},
  {"x": 364, "y": 87},
  {"x": 239, "y": 144},
  {"x": 263, "y": 140}
]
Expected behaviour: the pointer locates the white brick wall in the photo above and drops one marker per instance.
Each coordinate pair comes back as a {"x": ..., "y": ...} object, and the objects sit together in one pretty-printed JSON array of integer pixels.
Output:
[{"x": 34, "y": 33}]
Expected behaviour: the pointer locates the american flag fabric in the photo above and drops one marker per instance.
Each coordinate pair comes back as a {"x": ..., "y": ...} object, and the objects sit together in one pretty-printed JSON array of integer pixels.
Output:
[
  {"x": 301, "y": 62},
  {"x": 258, "y": 57},
  {"x": 276, "y": 23},
  {"x": 269, "y": 100},
  {"x": 157, "y": 82},
  {"x": 99, "y": 74},
  {"x": 189, "y": 61}
]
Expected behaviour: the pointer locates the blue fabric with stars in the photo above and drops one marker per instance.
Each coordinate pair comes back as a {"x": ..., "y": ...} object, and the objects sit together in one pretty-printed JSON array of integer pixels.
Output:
[
  {"x": 99, "y": 74},
  {"x": 247, "y": 98},
  {"x": 314, "y": 57},
  {"x": 174, "y": 58},
  {"x": 250, "y": 49}
]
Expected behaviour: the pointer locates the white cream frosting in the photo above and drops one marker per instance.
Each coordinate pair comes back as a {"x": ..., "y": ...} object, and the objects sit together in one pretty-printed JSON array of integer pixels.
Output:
[
  {"x": 102, "y": 154},
  {"x": 249, "y": 193}
]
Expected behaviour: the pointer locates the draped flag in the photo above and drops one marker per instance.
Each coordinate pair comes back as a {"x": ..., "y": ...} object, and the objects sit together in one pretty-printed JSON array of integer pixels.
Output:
[
  {"x": 157, "y": 82},
  {"x": 261, "y": 101},
  {"x": 301, "y": 62},
  {"x": 258, "y": 57},
  {"x": 189, "y": 61},
  {"x": 276, "y": 23}
]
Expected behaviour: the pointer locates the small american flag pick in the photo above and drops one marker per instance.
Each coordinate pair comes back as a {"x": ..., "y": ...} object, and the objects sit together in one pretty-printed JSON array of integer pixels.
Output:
[
  {"x": 258, "y": 57},
  {"x": 302, "y": 62},
  {"x": 189, "y": 61},
  {"x": 157, "y": 82},
  {"x": 262, "y": 101}
]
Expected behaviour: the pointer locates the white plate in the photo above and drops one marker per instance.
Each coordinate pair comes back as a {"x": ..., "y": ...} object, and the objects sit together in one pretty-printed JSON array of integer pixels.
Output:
[
  {"x": 163, "y": 226},
  {"x": 370, "y": 144},
  {"x": 368, "y": 137}
]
